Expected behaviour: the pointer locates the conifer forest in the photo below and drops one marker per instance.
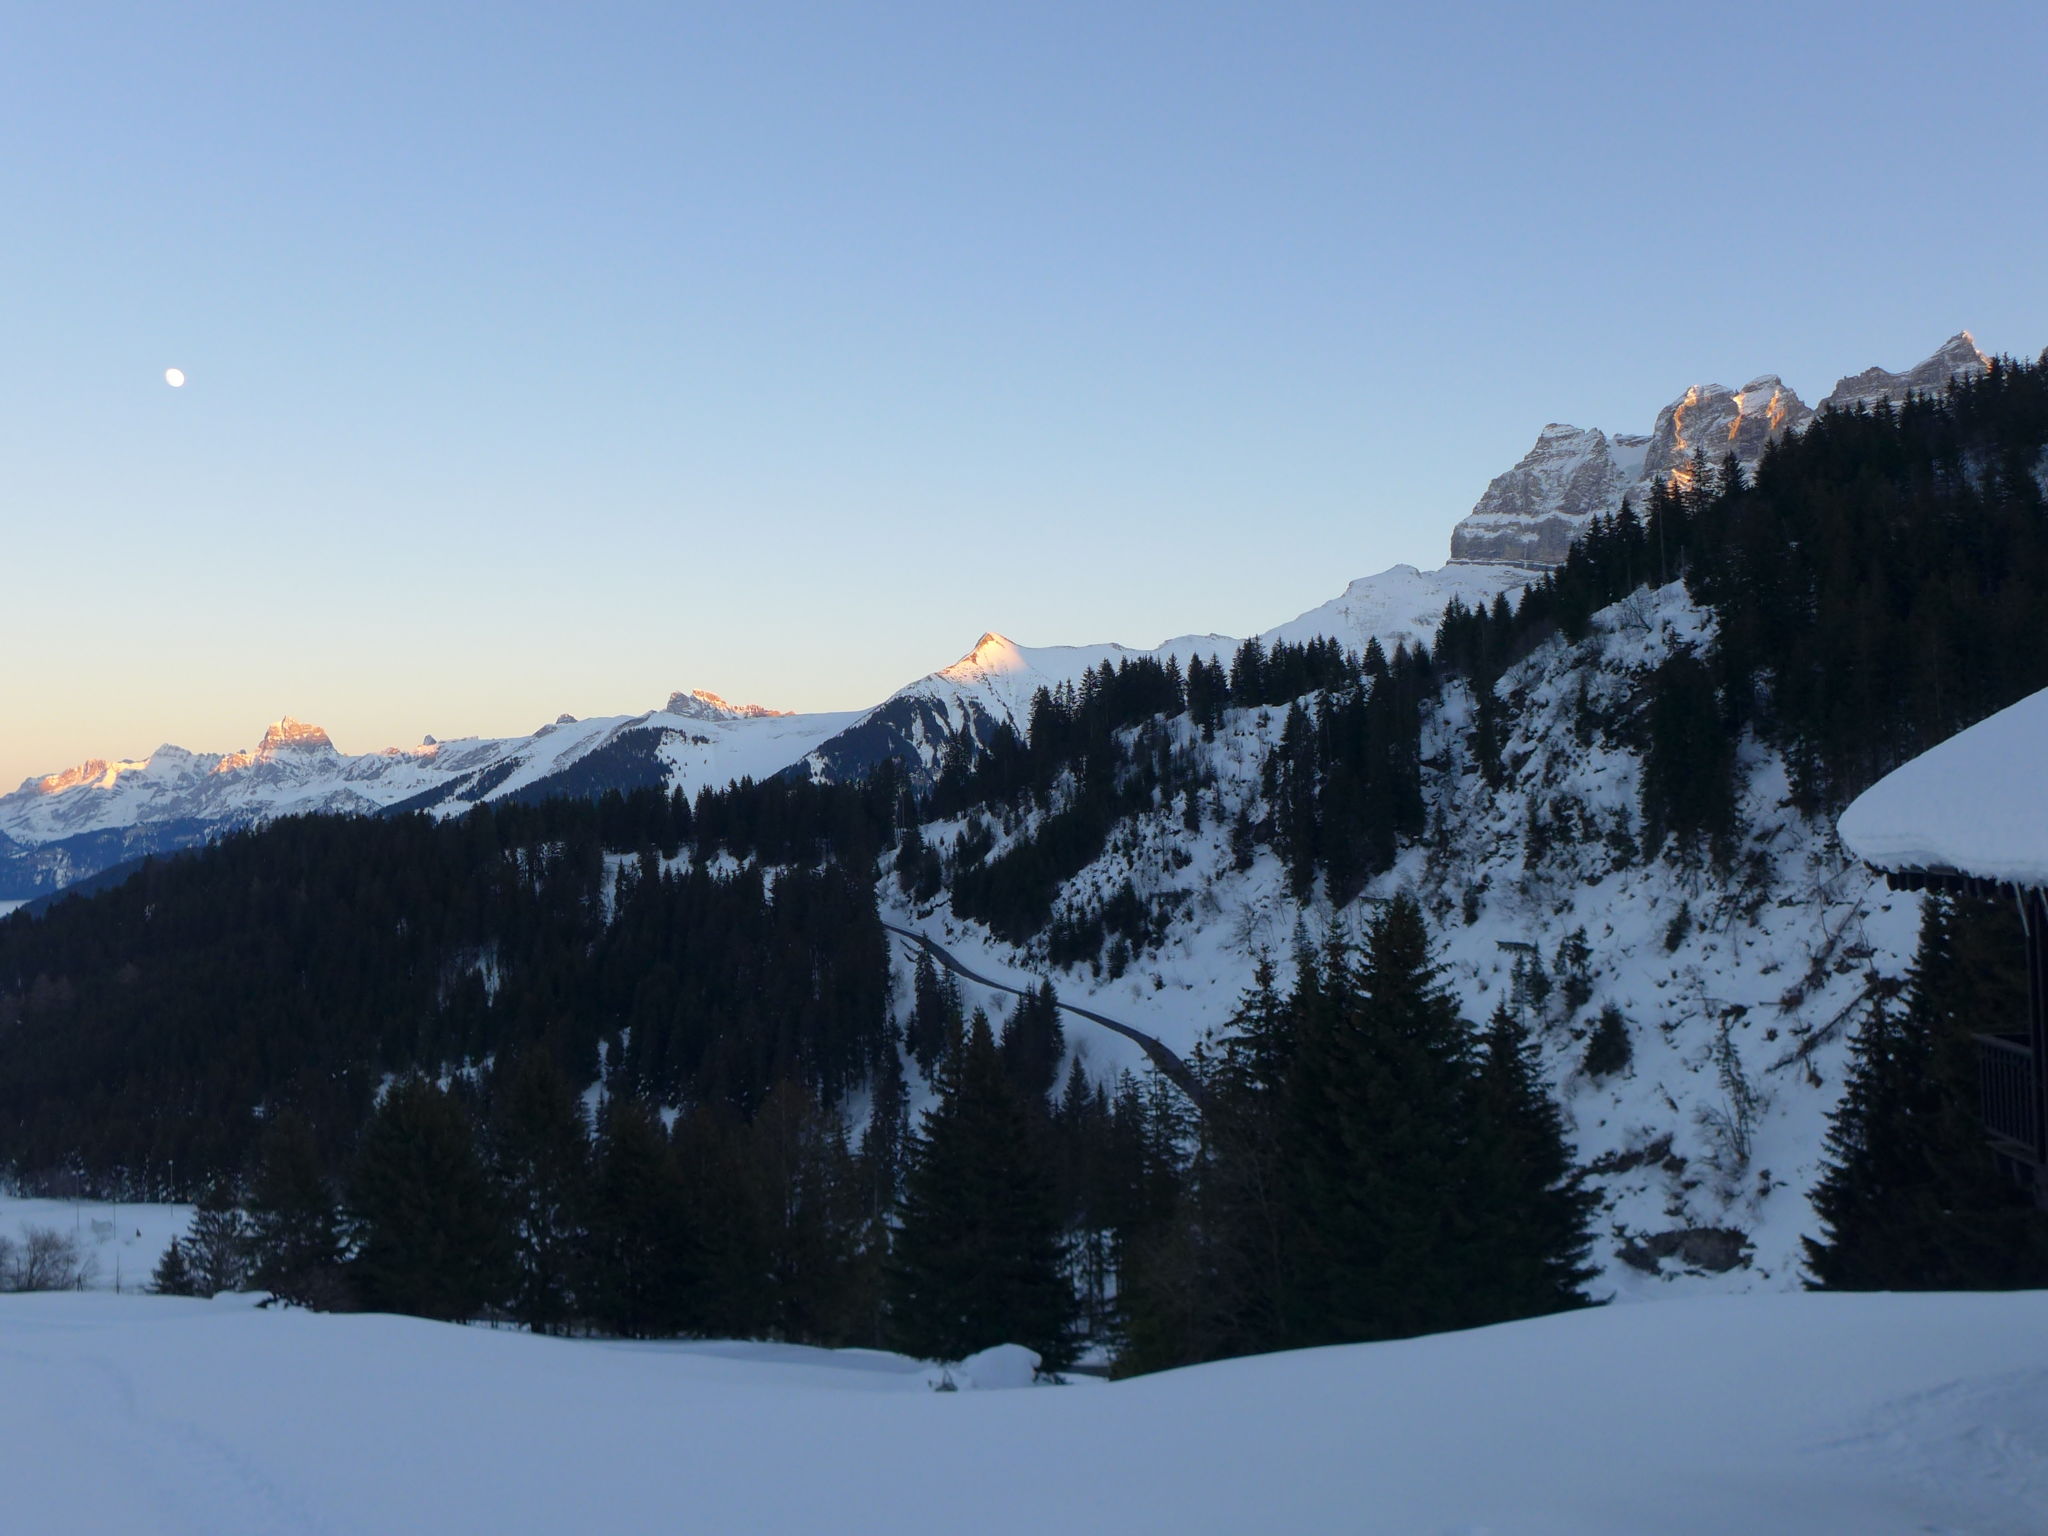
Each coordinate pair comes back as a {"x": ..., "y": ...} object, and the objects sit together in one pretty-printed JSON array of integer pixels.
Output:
[{"x": 639, "y": 1064}]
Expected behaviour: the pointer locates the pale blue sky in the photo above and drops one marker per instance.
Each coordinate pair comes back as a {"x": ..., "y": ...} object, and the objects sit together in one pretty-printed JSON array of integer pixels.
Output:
[{"x": 548, "y": 358}]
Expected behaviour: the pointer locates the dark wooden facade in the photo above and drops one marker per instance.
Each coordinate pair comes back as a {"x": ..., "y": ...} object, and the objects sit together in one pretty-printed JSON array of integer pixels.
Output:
[{"x": 2012, "y": 1064}]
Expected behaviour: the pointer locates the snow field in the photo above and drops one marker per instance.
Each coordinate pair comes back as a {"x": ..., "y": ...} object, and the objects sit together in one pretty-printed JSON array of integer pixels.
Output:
[
  {"x": 1869, "y": 1415},
  {"x": 120, "y": 1243}
]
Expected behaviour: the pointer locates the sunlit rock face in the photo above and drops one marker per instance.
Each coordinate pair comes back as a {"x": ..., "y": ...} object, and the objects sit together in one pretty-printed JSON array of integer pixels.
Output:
[
  {"x": 1957, "y": 359},
  {"x": 1717, "y": 422},
  {"x": 702, "y": 704},
  {"x": 1530, "y": 515}
]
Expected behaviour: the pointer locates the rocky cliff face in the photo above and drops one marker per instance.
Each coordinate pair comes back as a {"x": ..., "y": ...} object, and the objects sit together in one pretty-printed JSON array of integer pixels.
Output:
[
  {"x": 1957, "y": 359},
  {"x": 1530, "y": 515},
  {"x": 1717, "y": 422}
]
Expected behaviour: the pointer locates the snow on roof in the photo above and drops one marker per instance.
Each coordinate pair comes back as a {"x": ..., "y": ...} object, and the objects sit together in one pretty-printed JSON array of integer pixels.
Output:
[{"x": 1972, "y": 806}]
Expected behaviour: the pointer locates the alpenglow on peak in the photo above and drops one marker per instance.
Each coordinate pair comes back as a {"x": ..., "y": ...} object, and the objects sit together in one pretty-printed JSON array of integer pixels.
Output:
[{"x": 1530, "y": 515}]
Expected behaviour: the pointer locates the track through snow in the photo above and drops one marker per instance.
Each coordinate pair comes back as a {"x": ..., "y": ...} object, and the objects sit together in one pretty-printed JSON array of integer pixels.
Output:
[{"x": 1858, "y": 1415}]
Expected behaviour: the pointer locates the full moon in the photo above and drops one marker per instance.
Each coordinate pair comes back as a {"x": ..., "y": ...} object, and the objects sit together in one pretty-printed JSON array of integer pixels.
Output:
[{"x": 175, "y": 377}]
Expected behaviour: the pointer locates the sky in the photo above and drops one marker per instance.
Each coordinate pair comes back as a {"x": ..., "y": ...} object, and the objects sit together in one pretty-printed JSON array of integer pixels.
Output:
[{"x": 550, "y": 358}]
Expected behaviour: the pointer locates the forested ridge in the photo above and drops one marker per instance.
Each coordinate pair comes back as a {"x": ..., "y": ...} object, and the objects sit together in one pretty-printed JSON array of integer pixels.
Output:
[{"x": 654, "y": 1043}]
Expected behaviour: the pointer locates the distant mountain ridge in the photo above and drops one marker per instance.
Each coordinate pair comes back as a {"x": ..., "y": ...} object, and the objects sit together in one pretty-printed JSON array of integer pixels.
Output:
[
  {"x": 67, "y": 826},
  {"x": 1530, "y": 514}
]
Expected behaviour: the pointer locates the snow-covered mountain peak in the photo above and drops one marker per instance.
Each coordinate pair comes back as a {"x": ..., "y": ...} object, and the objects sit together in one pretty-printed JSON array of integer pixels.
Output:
[
  {"x": 1530, "y": 514},
  {"x": 289, "y": 735},
  {"x": 703, "y": 704},
  {"x": 92, "y": 770},
  {"x": 992, "y": 654}
]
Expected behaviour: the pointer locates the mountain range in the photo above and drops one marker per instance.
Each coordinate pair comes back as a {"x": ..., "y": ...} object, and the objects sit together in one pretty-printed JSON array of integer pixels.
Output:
[
  {"x": 66, "y": 827},
  {"x": 1531, "y": 514}
]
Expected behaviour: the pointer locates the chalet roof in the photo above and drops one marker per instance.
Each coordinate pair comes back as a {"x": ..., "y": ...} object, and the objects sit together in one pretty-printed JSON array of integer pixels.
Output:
[{"x": 1973, "y": 806}]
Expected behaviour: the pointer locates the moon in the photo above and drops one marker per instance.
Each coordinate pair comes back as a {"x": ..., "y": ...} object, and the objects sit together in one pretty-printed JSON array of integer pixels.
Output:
[{"x": 175, "y": 377}]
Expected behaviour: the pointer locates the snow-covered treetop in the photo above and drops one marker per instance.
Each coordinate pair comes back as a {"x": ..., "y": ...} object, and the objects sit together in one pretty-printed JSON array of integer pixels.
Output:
[{"x": 1971, "y": 806}]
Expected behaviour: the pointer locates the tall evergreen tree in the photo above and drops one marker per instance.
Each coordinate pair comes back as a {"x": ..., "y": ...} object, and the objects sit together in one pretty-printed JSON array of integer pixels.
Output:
[
  {"x": 1911, "y": 1198},
  {"x": 217, "y": 1244},
  {"x": 1034, "y": 1043},
  {"x": 645, "y": 1252},
  {"x": 1526, "y": 1203},
  {"x": 540, "y": 1152},
  {"x": 1379, "y": 1105},
  {"x": 429, "y": 1235},
  {"x": 978, "y": 1258},
  {"x": 295, "y": 1220}
]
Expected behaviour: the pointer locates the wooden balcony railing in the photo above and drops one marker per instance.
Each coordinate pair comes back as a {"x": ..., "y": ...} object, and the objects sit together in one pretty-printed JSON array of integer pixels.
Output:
[{"x": 2005, "y": 1082}]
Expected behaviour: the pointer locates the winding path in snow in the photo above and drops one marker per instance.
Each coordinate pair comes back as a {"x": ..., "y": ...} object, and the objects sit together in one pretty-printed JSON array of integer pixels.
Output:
[{"x": 1177, "y": 1071}]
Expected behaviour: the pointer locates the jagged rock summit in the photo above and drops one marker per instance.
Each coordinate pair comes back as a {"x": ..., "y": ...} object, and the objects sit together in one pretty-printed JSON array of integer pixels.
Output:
[
  {"x": 1530, "y": 515},
  {"x": 702, "y": 704},
  {"x": 1958, "y": 358}
]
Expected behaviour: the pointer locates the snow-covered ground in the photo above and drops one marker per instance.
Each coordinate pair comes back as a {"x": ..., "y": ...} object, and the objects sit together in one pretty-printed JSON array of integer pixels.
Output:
[
  {"x": 1739, "y": 991},
  {"x": 1858, "y": 1415},
  {"x": 119, "y": 1244}
]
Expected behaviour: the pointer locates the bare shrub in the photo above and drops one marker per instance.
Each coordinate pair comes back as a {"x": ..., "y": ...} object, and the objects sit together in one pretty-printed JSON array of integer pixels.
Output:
[{"x": 45, "y": 1259}]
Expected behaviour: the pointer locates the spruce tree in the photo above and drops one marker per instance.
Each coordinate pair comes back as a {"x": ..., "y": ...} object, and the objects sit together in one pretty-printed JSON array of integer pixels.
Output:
[
  {"x": 217, "y": 1244},
  {"x": 540, "y": 1151},
  {"x": 173, "y": 1273},
  {"x": 429, "y": 1234},
  {"x": 1378, "y": 1109},
  {"x": 1526, "y": 1204},
  {"x": 645, "y": 1251},
  {"x": 294, "y": 1220},
  {"x": 1911, "y": 1198},
  {"x": 978, "y": 1258},
  {"x": 1034, "y": 1043},
  {"x": 819, "y": 1267}
]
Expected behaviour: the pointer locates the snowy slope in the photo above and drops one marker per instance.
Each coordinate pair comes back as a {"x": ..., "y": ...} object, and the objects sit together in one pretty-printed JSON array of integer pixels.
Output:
[
  {"x": 993, "y": 683},
  {"x": 1400, "y": 606},
  {"x": 1873, "y": 1415},
  {"x": 66, "y": 826},
  {"x": 1763, "y": 976}
]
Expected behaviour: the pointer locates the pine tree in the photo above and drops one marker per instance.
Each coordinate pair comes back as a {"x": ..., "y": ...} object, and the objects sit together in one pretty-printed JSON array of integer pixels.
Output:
[
  {"x": 934, "y": 1013},
  {"x": 294, "y": 1220},
  {"x": 1034, "y": 1043},
  {"x": 217, "y": 1244},
  {"x": 1378, "y": 1108},
  {"x": 1910, "y": 1198},
  {"x": 540, "y": 1152},
  {"x": 1526, "y": 1204},
  {"x": 173, "y": 1273},
  {"x": 644, "y": 1279},
  {"x": 819, "y": 1268},
  {"x": 429, "y": 1234},
  {"x": 978, "y": 1259}
]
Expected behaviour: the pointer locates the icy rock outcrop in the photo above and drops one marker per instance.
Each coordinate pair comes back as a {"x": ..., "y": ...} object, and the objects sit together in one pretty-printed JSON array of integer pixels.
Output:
[{"x": 1957, "y": 359}]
